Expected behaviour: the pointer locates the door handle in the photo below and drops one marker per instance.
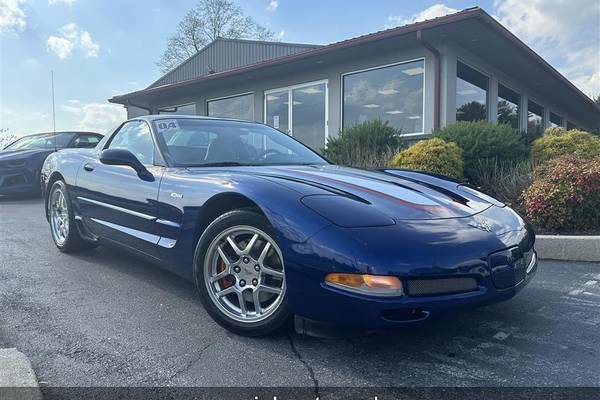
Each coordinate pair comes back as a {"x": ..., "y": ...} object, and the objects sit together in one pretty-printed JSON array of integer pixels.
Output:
[{"x": 88, "y": 167}]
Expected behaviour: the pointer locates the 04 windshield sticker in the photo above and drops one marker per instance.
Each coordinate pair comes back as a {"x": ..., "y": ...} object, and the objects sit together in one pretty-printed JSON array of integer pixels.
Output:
[{"x": 165, "y": 125}]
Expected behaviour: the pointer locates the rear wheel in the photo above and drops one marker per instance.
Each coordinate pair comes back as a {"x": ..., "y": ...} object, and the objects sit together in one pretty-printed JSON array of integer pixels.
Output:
[
  {"x": 240, "y": 274},
  {"x": 64, "y": 230}
]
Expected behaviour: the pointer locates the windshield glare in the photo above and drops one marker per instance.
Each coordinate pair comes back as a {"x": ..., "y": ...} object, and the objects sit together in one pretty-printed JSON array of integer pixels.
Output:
[
  {"x": 198, "y": 142},
  {"x": 41, "y": 142}
]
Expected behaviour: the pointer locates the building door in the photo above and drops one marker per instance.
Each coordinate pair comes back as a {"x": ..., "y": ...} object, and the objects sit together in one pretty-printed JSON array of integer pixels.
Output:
[{"x": 299, "y": 111}]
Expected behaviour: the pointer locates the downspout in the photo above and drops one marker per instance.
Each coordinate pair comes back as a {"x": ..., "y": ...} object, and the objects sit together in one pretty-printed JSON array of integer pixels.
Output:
[{"x": 438, "y": 76}]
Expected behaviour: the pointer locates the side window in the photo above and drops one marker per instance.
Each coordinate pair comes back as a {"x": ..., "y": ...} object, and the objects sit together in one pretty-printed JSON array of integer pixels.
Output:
[
  {"x": 86, "y": 141},
  {"x": 135, "y": 136}
]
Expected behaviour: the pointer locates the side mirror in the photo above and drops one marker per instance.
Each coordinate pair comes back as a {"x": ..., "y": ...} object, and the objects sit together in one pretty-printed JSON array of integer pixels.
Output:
[{"x": 125, "y": 157}]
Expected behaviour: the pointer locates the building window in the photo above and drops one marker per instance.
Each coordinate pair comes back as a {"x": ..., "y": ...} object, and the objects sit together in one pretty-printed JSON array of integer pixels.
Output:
[
  {"x": 535, "y": 119},
  {"x": 393, "y": 94},
  {"x": 299, "y": 111},
  {"x": 508, "y": 106},
  {"x": 184, "y": 109},
  {"x": 238, "y": 107},
  {"x": 471, "y": 94},
  {"x": 555, "y": 120},
  {"x": 571, "y": 125}
]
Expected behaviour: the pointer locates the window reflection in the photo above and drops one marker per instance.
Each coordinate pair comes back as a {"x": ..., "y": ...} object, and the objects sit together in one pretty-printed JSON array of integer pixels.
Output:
[
  {"x": 471, "y": 94},
  {"x": 555, "y": 120},
  {"x": 393, "y": 94},
  {"x": 308, "y": 115},
  {"x": 238, "y": 107},
  {"x": 535, "y": 119},
  {"x": 508, "y": 106}
]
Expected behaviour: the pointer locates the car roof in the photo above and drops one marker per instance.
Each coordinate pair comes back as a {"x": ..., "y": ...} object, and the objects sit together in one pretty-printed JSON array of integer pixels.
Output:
[
  {"x": 155, "y": 117},
  {"x": 60, "y": 132}
]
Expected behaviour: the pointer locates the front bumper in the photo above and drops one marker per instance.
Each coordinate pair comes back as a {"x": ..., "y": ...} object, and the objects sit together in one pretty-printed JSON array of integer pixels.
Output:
[
  {"x": 18, "y": 181},
  {"x": 501, "y": 263}
]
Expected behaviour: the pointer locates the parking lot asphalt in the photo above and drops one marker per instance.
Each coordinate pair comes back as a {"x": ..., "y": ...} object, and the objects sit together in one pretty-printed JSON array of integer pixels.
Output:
[{"x": 104, "y": 318}]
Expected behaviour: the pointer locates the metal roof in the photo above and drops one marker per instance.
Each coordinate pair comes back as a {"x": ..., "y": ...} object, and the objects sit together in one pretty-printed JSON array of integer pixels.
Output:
[
  {"x": 227, "y": 54},
  {"x": 474, "y": 13}
]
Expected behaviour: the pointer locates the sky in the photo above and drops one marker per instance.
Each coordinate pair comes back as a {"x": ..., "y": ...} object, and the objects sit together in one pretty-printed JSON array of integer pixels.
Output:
[{"x": 101, "y": 48}]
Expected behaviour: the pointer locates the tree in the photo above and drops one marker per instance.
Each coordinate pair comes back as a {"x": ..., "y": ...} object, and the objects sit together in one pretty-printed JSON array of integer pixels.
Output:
[
  {"x": 473, "y": 111},
  {"x": 206, "y": 22}
]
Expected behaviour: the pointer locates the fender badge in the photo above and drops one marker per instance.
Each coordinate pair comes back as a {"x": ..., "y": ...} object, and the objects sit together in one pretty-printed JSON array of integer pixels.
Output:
[{"x": 176, "y": 195}]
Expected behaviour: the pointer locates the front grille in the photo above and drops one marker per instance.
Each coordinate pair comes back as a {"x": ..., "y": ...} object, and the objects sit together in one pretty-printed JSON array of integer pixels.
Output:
[
  {"x": 12, "y": 164},
  {"x": 439, "y": 286}
]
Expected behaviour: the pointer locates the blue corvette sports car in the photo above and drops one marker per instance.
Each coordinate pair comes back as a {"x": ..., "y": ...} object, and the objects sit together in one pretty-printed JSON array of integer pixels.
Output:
[
  {"x": 22, "y": 160},
  {"x": 266, "y": 228}
]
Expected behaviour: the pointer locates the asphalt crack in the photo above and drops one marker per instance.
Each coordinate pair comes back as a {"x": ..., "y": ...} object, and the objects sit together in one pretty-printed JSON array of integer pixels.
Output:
[
  {"x": 311, "y": 372},
  {"x": 191, "y": 363}
]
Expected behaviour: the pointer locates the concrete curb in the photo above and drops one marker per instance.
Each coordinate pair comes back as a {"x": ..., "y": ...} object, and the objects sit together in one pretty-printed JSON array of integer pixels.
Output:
[
  {"x": 568, "y": 247},
  {"x": 17, "y": 379}
]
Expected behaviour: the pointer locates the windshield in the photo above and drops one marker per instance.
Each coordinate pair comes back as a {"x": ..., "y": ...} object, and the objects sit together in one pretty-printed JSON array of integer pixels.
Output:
[
  {"x": 41, "y": 142},
  {"x": 201, "y": 142}
]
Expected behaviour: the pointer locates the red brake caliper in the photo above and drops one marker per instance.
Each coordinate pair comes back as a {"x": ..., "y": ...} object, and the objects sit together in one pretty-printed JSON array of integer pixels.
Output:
[{"x": 227, "y": 281}]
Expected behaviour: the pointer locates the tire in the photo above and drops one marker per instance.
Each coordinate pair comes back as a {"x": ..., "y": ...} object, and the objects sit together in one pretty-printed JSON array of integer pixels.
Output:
[
  {"x": 68, "y": 238},
  {"x": 251, "y": 273}
]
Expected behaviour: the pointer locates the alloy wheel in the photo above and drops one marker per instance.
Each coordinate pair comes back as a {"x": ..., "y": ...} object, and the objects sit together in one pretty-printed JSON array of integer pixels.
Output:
[
  {"x": 244, "y": 274},
  {"x": 59, "y": 216}
]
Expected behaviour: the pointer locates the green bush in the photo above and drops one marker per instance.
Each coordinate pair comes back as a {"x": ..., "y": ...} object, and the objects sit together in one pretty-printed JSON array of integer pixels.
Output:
[
  {"x": 370, "y": 144},
  {"x": 433, "y": 155},
  {"x": 558, "y": 142},
  {"x": 567, "y": 197},
  {"x": 485, "y": 141},
  {"x": 503, "y": 180}
]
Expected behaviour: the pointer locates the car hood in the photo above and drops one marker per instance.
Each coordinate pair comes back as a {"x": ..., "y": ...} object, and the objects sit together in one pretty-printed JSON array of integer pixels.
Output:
[
  {"x": 19, "y": 154},
  {"x": 397, "y": 194}
]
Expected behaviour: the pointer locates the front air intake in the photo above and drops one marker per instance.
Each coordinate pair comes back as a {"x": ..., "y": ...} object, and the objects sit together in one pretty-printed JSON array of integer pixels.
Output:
[{"x": 440, "y": 286}]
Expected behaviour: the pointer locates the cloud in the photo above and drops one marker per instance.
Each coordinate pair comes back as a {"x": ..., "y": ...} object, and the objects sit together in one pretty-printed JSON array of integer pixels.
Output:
[
  {"x": 71, "y": 36},
  {"x": 90, "y": 47},
  {"x": 12, "y": 16},
  {"x": 96, "y": 117},
  {"x": 566, "y": 36},
  {"x": 281, "y": 34},
  {"x": 436, "y": 10},
  {"x": 69, "y": 2},
  {"x": 273, "y": 4},
  {"x": 60, "y": 46}
]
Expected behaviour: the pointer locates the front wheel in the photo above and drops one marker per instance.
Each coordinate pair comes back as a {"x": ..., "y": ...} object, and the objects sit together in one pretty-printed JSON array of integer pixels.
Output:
[
  {"x": 240, "y": 274},
  {"x": 64, "y": 231}
]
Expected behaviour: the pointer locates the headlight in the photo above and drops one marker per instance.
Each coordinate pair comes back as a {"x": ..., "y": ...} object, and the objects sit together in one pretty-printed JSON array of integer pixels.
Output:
[
  {"x": 346, "y": 212},
  {"x": 377, "y": 285}
]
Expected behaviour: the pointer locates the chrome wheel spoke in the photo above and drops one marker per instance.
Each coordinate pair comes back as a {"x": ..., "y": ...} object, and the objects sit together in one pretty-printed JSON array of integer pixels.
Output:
[
  {"x": 226, "y": 291},
  {"x": 263, "y": 253},
  {"x": 272, "y": 272},
  {"x": 224, "y": 256},
  {"x": 256, "y": 300},
  {"x": 220, "y": 275},
  {"x": 234, "y": 246},
  {"x": 269, "y": 289},
  {"x": 250, "y": 244},
  {"x": 242, "y": 303}
]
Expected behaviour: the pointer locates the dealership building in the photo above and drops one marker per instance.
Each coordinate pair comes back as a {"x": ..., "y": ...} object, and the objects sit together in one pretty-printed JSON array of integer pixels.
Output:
[{"x": 418, "y": 77}]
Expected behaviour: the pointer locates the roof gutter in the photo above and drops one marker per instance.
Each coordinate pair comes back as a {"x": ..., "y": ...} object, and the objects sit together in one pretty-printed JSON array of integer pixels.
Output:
[
  {"x": 128, "y": 102},
  {"x": 438, "y": 76}
]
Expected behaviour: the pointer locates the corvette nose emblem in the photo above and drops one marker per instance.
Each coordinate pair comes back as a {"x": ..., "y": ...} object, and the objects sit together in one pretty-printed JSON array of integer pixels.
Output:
[
  {"x": 482, "y": 225},
  {"x": 176, "y": 195}
]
